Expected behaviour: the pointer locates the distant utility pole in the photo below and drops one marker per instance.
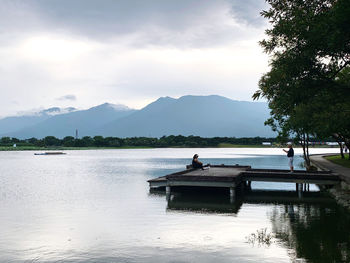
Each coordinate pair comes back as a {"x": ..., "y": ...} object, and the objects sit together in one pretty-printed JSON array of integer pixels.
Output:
[{"x": 76, "y": 134}]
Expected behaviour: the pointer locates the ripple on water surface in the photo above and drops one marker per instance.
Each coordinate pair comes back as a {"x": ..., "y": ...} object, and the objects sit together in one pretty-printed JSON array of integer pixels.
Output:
[{"x": 95, "y": 206}]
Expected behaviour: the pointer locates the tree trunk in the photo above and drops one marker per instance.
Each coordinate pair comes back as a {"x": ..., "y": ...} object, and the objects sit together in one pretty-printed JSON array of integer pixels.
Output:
[
  {"x": 305, "y": 145},
  {"x": 345, "y": 139},
  {"x": 341, "y": 149},
  {"x": 347, "y": 143}
]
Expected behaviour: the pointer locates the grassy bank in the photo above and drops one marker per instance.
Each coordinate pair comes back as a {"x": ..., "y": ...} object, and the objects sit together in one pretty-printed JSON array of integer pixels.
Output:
[{"x": 338, "y": 160}]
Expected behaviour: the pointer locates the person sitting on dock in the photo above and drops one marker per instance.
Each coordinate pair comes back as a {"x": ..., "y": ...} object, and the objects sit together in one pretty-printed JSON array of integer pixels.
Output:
[
  {"x": 290, "y": 155},
  {"x": 195, "y": 163}
]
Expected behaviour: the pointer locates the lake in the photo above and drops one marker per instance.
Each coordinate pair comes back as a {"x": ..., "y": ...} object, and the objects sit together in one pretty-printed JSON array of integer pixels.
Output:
[{"x": 95, "y": 206}]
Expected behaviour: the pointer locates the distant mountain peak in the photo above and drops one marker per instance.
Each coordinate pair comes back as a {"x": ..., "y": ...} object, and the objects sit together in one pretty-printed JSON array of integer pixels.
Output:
[
  {"x": 202, "y": 115},
  {"x": 160, "y": 103},
  {"x": 118, "y": 107},
  {"x": 166, "y": 98},
  {"x": 202, "y": 97}
]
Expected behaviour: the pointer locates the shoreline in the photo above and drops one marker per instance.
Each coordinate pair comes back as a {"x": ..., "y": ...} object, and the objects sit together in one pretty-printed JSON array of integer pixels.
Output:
[
  {"x": 340, "y": 193},
  {"x": 62, "y": 148}
]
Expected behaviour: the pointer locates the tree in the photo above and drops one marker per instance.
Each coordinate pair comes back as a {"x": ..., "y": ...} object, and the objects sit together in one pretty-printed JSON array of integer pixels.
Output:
[
  {"x": 99, "y": 141},
  {"x": 5, "y": 141},
  {"x": 307, "y": 86},
  {"x": 68, "y": 141},
  {"x": 32, "y": 140},
  {"x": 51, "y": 141},
  {"x": 87, "y": 141},
  {"x": 112, "y": 141}
]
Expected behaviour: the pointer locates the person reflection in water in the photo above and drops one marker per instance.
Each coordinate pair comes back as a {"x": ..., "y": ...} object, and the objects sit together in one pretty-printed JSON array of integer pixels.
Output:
[{"x": 196, "y": 163}]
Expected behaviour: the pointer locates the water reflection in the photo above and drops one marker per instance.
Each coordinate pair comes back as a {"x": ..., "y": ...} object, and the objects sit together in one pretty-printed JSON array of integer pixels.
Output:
[
  {"x": 312, "y": 228},
  {"x": 204, "y": 202},
  {"x": 95, "y": 206},
  {"x": 280, "y": 197},
  {"x": 216, "y": 200},
  {"x": 316, "y": 232}
]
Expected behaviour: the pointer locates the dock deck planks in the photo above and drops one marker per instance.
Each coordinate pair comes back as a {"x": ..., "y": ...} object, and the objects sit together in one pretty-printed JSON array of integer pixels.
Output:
[{"x": 232, "y": 176}]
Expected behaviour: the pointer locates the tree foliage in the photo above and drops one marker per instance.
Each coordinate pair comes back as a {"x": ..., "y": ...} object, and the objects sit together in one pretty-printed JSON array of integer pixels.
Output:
[
  {"x": 308, "y": 85},
  {"x": 115, "y": 142}
]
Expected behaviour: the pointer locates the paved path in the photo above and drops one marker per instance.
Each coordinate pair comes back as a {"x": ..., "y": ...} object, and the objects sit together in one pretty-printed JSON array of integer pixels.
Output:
[{"x": 324, "y": 164}]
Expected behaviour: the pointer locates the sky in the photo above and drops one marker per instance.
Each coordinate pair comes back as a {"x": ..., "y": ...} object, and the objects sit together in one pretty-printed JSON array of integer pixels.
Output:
[{"x": 82, "y": 53}]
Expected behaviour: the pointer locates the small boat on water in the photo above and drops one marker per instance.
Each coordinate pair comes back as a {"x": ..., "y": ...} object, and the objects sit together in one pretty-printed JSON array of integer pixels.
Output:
[{"x": 50, "y": 153}]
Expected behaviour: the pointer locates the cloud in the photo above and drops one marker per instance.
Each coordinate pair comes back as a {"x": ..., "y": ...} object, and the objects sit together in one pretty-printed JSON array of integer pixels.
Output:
[
  {"x": 181, "y": 23},
  {"x": 248, "y": 12},
  {"x": 128, "y": 52},
  {"x": 68, "y": 97}
]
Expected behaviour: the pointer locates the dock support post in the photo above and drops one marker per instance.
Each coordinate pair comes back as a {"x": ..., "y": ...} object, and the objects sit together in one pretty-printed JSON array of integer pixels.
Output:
[
  {"x": 248, "y": 185},
  {"x": 242, "y": 187},
  {"x": 167, "y": 192},
  {"x": 300, "y": 190},
  {"x": 167, "y": 189},
  {"x": 232, "y": 194}
]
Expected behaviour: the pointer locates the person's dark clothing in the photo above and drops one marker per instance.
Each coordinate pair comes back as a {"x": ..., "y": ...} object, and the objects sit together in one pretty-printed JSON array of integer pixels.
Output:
[
  {"x": 290, "y": 152},
  {"x": 196, "y": 164}
]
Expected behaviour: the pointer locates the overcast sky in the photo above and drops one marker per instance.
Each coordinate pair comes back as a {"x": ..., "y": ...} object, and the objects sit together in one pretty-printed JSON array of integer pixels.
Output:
[{"x": 82, "y": 53}]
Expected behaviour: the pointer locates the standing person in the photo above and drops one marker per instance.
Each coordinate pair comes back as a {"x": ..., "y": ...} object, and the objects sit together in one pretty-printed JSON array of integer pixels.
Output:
[
  {"x": 195, "y": 163},
  {"x": 290, "y": 155}
]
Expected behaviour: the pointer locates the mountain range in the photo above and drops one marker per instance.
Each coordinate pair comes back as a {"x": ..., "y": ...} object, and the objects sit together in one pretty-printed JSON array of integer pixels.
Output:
[
  {"x": 15, "y": 123},
  {"x": 206, "y": 116}
]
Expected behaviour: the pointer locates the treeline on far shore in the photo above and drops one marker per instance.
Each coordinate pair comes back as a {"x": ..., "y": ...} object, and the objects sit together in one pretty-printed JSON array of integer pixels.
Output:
[{"x": 115, "y": 142}]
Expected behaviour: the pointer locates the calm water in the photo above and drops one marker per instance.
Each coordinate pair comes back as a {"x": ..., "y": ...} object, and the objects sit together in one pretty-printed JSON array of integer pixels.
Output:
[{"x": 95, "y": 206}]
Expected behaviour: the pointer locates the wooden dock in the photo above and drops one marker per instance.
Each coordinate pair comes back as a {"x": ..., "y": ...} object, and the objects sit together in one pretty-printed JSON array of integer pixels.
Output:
[{"x": 236, "y": 176}]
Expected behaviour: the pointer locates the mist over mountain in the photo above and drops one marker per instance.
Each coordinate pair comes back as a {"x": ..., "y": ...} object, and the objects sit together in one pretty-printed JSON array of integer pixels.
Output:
[
  {"x": 206, "y": 116},
  {"x": 25, "y": 119},
  {"x": 56, "y": 110},
  {"x": 85, "y": 121}
]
